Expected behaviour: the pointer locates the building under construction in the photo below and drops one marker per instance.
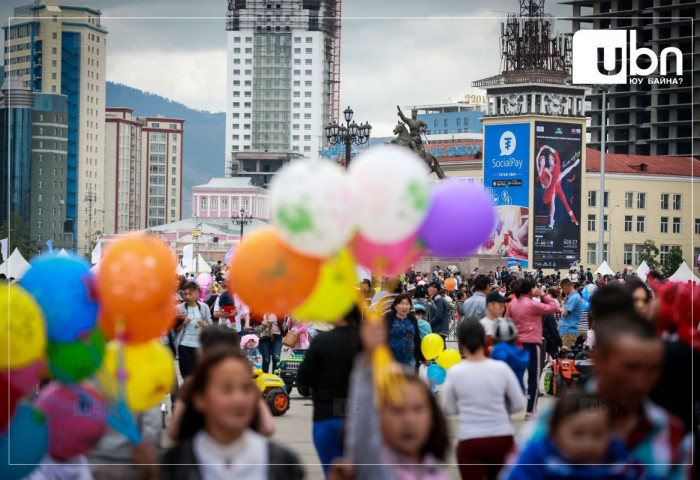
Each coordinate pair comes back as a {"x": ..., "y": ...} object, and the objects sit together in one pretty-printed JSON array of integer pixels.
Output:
[{"x": 283, "y": 69}]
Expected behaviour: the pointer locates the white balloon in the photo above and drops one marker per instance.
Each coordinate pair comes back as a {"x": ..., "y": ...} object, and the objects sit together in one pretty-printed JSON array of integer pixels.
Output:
[
  {"x": 312, "y": 206},
  {"x": 393, "y": 192}
]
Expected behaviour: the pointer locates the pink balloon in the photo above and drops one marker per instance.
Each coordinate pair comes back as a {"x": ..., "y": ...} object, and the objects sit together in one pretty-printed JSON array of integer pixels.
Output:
[
  {"x": 387, "y": 259},
  {"x": 204, "y": 281},
  {"x": 76, "y": 416},
  {"x": 698, "y": 261},
  {"x": 27, "y": 378}
]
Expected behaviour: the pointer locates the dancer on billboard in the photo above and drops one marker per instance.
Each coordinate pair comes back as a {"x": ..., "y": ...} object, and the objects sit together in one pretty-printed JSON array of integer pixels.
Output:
[{"x": 550, "y": 176}]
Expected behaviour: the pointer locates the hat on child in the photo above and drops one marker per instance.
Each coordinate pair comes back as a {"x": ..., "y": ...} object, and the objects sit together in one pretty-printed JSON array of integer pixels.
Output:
[{"x": 249, "y": 337}]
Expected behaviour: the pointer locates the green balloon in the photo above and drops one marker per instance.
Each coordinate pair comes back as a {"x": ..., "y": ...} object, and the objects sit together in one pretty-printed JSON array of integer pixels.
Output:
[{"x": 74, "y": 361}]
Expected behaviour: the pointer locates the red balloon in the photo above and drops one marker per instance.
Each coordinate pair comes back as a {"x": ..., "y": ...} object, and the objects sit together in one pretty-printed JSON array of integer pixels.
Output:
[{"x": 8, "y": 402}]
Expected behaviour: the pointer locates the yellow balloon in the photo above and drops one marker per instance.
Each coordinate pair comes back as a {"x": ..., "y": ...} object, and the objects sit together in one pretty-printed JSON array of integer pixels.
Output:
[
  {"x": 22, "y": 328},
  {"x": 448, "y": 358},
  {"x": 431, "y": 346},
  {"x": 334, "y": 293},
  {"x": 149, "y": 372}
]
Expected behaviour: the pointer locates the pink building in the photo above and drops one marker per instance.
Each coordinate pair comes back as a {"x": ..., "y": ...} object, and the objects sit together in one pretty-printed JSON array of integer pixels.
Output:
[{"x": 222, "y": 198}]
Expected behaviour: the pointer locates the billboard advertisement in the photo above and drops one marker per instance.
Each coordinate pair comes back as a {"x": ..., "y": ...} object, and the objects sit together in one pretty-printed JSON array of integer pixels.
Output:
[
  {"x": 506, "y": 179},
  {"x": 557, "y": 194}
]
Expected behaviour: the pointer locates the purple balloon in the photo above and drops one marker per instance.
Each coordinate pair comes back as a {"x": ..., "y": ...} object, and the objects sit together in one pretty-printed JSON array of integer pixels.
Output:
[
  {"x": 461, "y": 218},
  {"x": 698, "y": 261}
]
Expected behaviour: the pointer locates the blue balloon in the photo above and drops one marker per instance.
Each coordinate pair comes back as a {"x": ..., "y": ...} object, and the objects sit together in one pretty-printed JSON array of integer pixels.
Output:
[
  {"x": 62, "y": 286},
  {"x": 229, "y": 255},
  {"x": 436, "y": 373},
  {"x": 28, "y": 439}
]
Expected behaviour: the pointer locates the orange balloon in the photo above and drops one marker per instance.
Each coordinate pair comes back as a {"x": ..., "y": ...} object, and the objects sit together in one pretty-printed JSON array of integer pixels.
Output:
[
  {"x": 136, "y": 276},
  {"x": 268, "y": 276},
  {"x": 140, "y": 328},
  {"x": 450, "y": 284}
]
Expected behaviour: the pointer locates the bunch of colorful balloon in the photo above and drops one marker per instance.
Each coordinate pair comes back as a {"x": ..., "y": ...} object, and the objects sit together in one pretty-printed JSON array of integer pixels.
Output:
[
  {"x": 57, "y": 324},
  {"x": 433, "y": 349},
  {"x": 382, "y": 214}
]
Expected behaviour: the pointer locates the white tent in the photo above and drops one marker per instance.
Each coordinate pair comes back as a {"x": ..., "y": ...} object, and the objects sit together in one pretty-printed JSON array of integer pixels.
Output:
[
  {"x": 604, "y": 269},
  {"x": 684, "y": 274},
  {"x": 63, "y": 253},
  {"x": 203, "y": 266},
  {"x": 642, "y": 271},
  {"x": 15, "y": 266},
  {"x": 95, "y": 268}
]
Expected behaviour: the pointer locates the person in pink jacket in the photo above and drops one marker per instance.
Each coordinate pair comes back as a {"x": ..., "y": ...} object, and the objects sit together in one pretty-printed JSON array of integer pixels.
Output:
[{"x": 526, "y": 313}]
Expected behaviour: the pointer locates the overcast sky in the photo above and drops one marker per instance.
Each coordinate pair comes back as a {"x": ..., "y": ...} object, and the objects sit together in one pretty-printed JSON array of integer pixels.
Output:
[{"x": 393, "y": 51}]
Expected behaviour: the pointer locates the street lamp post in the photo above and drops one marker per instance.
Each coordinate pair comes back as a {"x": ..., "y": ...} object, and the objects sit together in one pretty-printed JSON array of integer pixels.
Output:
[
  {"x": 242, "y": 220},
  {"x": 604, "y": 89},
  {"x": 348, "y": 134}
]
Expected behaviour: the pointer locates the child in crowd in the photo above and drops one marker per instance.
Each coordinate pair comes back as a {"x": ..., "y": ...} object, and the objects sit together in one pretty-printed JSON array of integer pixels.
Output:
[
  {"x": 580, "y": 444},
  {"x": 423, "y": 325},
  {"x": 249, "y": 348},
  {"x": 215, "y": 439},
  {"x": 505, "y": 334},
  {"x": 495, "y": 308},
  {"x": 302, "y": 330},
  {"x": 388, "y": 439}
]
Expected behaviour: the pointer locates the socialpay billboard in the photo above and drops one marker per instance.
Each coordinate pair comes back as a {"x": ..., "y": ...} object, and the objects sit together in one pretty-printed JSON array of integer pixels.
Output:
[{"x": 507, "y": 180}]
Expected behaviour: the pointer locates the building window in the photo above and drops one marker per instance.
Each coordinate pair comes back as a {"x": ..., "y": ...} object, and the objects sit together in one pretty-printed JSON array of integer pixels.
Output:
[
  {"x": 605, "y": 223},
  {"x": 591, "y": 254},
  {"x": 38, "y": 224},
  {"x": 224, "y": 204},
  {"x": 664, "y": 201},
  {"x": 39, "y": 210},
  {"x": 307, "y": 104},
  {"x": 664, "y": 249},
  {"x": 640, "y": 224},
  {"x": 697, "y": 225},
  {"x": 591, "y": 224},
  {"x": 605, "y": 199},
  {"x": 677, "y": 202},
  {"x": 203, "y": 203},
  {"x": 629, "y": 199},
  {"x": 664, "y": 224},
  {"x": 628, "y": 254},
  {"x": 214, "y": 204},
  {"x": 676, "y": 225},
  {"x": 641, "y": 200},
  {"x": 628, "y": 223},
  {"x": 592, "y": 198}
]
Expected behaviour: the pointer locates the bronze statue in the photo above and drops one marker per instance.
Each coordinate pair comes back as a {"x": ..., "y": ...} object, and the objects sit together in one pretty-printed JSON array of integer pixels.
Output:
[
  {"x": 415, "y": 126},
  {"x": 405, "y": 139}
]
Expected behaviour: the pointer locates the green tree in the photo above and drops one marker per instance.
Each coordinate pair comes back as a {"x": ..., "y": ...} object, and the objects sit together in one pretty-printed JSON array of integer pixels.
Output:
[
  {"x": 649, "y": 254},
  {"x": 19, "y": 235},
  {"x": 674, "y": 258},
  {"x": 93, "y": 243}
]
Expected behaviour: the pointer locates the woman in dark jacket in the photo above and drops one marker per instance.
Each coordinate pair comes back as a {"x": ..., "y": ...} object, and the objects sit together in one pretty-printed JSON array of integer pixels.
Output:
[{"x": 404, "y": 336}]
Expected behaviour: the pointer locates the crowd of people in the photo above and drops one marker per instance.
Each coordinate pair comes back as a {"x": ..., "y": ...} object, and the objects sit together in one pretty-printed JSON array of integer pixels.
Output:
[{"x": 634, "y": 418}]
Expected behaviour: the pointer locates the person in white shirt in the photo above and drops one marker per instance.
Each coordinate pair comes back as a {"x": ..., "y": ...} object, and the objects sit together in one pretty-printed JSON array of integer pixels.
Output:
[{"x": 483, "y": 392}]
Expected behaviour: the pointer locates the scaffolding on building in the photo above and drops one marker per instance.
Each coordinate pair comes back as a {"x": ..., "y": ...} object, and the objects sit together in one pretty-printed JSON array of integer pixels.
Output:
[{"x": 530, "y": 50}]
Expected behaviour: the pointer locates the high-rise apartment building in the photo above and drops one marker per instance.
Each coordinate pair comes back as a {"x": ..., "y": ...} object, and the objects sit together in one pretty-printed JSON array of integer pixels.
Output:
[
  {"x": 161, "y": 162},
  {"x": 279, "y": 71},
  {"x": 123, "y": 172},
  {"x": 15, "y": 146},
  {"x": 648, "y": 118},
  {"x": 60, "y": 47},
  {"x": 49, "y": 161}
]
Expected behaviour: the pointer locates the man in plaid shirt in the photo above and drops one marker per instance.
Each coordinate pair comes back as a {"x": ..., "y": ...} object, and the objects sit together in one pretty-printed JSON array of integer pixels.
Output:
[{"x": 628, "y": 358}]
